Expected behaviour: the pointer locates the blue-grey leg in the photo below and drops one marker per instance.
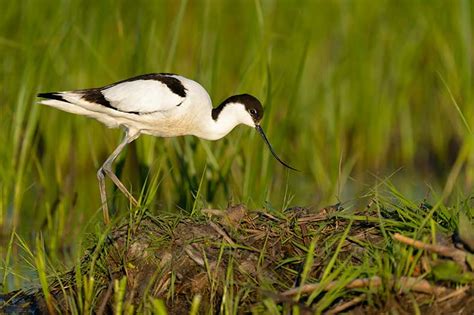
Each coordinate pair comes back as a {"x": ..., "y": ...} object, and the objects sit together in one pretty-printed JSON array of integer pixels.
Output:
[{"x": 106, "y": 169}]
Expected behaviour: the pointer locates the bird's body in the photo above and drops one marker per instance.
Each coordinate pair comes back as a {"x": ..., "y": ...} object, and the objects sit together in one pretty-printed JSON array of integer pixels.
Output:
[
  {"x": 148, "y": 104},
  {"x": 161, "y": 105}
]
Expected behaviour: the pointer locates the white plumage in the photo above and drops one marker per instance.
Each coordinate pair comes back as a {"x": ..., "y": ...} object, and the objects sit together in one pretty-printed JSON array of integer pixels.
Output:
[
  {"x": 159, "y": 104},
  {"x": 143, "y": 96}
]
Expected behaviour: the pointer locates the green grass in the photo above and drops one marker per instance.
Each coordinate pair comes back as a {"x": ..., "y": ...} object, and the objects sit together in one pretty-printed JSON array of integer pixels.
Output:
[{"x": 354, "y": 92}]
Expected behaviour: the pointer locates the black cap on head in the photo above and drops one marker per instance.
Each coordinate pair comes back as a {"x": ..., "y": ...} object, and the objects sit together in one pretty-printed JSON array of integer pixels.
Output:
[
  {"x": 251, "y": 103},
  {"x": 255, "y": 110}
]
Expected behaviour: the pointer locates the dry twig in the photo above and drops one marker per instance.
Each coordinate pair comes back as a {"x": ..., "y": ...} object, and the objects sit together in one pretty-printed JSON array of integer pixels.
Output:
[
  {"x": 345, "y": 306},
  {"x": 457, "y": 255},
  {"x": 404, "y": 283},
  {"x": 194, "y": 256},
  {"x": 222, "y": 233},
  {"x": 460, "y": 291}
]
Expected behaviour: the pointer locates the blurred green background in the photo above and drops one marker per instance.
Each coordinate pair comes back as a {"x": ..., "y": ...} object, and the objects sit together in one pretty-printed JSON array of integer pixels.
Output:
[{"x": 355, "y": 92}]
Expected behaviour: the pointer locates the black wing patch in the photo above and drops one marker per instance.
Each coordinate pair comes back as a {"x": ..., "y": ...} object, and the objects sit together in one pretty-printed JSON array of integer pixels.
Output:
[
  {"x": 96, "y": 96},
  {"x": 166, "y": 78}
]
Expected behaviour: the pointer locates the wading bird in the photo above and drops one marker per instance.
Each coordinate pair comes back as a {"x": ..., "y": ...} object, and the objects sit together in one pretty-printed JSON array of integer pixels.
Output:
[{"x": 161, "y": 105}]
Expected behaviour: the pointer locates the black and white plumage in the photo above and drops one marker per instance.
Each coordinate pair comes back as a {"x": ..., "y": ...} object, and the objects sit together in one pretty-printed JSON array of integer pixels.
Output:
[{"x": 158, "y": 104}]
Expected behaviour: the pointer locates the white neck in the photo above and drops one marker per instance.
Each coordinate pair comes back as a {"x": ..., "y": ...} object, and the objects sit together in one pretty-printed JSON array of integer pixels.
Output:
[{"x": 231, "y": 115}]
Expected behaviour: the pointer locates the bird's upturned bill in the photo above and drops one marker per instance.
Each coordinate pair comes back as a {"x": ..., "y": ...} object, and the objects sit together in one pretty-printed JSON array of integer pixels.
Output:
[{"x": 260, "y": 131}]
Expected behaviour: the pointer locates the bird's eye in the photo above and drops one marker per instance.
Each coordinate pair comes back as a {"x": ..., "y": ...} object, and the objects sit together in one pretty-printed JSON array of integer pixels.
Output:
[{"x": 253, "y": 112}]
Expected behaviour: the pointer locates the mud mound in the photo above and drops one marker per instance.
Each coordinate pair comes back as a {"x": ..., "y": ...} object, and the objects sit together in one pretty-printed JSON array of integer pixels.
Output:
[{"x": 240, "y": 261}]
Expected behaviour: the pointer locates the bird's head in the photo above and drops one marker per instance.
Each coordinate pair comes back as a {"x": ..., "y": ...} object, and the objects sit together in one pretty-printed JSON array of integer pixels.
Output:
[
  {"x": 247, "y": 110},
  {"x": 243, "y": 108}
]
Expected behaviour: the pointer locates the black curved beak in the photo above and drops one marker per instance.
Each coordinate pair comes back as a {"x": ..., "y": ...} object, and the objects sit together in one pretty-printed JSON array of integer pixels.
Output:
[{"x": 260, "y": 131}]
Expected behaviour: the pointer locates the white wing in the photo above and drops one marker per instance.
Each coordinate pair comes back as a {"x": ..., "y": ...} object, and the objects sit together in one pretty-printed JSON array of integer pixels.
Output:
[{"x": 142, "y": 96}]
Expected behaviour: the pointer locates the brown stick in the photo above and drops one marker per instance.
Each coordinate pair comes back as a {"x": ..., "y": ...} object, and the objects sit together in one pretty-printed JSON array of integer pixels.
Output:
[
  {"x": 457, "y": 255},
  {"x": 193, "y": 255},
  {"x": 344, "y": 306},
  {"x": 105, "y": 299},
  {"x": 460, "y": 291},
  {"x": 419, "y": 285},
  {"x": 361, "y": 298},
  {"x": 222, "y": 233},
  {"x": 405, "y": 283},
  {"x": 358, "y": 283}
]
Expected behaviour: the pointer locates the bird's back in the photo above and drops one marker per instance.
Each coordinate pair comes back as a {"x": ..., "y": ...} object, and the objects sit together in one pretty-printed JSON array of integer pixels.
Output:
[{"x": 158, "y": 103}]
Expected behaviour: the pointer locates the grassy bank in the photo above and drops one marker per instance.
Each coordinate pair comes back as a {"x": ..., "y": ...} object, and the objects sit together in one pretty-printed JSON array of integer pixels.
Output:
[{"x": 390, "y": 255}]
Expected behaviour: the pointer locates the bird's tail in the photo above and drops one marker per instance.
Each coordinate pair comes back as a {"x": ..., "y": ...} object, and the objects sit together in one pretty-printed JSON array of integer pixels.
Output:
[
  {"x": 66, "y": 101},
  {"x": 52, "y": 96}
]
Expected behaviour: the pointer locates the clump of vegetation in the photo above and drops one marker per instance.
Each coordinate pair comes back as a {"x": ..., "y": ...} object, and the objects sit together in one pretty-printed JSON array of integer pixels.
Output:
[{"x": 391, "y": 254}]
